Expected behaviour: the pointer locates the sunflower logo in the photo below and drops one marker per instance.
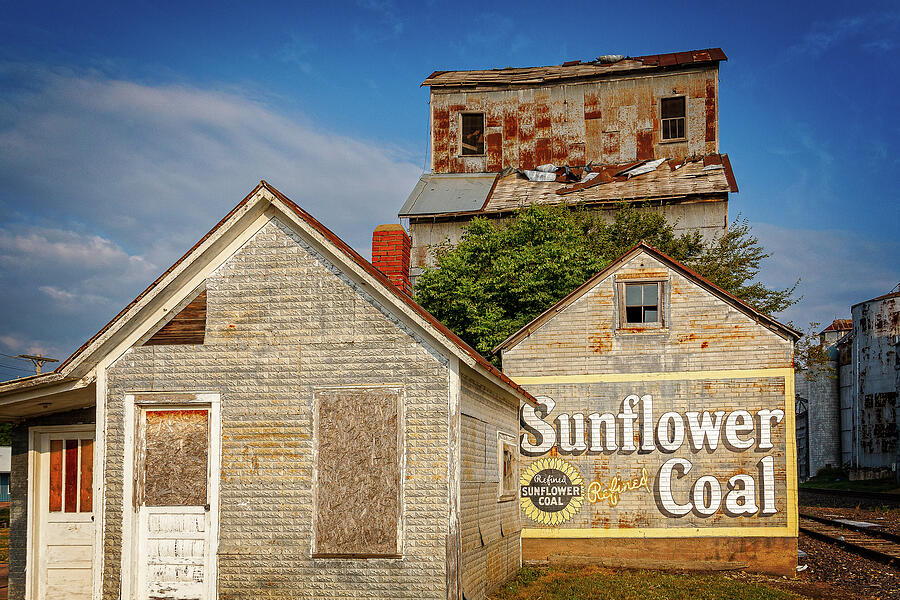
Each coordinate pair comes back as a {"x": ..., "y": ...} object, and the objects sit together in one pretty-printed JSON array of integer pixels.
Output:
[{"x": 552, "y": 491}]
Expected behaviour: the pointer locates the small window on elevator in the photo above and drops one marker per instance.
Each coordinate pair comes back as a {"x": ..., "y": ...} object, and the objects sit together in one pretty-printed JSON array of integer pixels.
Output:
[
  {"x": 471, "y": 137},
  {"x": 672, "y": 112}
]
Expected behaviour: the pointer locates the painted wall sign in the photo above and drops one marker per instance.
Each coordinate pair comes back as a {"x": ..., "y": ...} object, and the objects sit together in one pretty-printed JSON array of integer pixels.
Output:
[
  {"x": 552, "y": 491},
  {"x": 704, "y": 455}
]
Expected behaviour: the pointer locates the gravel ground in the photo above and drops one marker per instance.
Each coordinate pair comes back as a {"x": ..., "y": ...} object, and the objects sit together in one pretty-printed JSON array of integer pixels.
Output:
[
  {"x": 858, "y": 576},
  {"x": 834, "y": 574}
]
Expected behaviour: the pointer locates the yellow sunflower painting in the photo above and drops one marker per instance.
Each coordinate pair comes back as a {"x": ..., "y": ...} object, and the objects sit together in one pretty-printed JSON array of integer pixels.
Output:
[{"x": 552, "y": 491}]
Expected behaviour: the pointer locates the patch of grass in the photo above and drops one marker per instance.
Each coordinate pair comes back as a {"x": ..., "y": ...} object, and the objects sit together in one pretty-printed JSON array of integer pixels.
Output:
[
  {"x": 838, "y": 479},
  {"x": 597, "y": 583}
]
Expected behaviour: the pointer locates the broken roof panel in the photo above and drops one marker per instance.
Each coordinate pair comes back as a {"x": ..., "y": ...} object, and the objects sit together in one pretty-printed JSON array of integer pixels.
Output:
[
  {"x": 572, "y": 69},
  {"x": 448, "y": 193},
  {"x": 645, "y": 180}
]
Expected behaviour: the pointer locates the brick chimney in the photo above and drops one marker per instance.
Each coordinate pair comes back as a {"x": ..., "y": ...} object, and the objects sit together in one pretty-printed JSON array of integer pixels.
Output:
[{"x": 390, "y": 254}]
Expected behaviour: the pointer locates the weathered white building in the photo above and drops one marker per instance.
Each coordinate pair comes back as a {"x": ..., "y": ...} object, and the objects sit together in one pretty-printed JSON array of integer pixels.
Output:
[{"x": 270, "y": 418}]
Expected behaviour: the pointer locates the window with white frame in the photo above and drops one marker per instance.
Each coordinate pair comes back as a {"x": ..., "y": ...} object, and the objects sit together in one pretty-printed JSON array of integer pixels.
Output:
[
  {"x": 508, "y": 466},
  {"x": 673, "y": 113}
]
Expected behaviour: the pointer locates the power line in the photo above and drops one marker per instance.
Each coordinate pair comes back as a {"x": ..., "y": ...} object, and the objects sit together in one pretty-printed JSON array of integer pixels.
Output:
[{"x": 15, "y": 369}]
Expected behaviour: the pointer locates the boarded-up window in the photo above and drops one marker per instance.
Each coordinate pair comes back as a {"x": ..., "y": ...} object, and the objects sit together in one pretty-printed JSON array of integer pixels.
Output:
[
  {"x": 508, "y": 466},
  {"x": 358, "y": 477},
  {"x": 175, "y": 459}
]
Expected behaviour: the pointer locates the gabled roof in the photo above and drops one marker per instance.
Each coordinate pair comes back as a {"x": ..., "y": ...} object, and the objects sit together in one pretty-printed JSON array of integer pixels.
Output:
[
  {"x": 257, "y": 202},
  {"x": 737, "y": 303},
  {"x": 463, "y": 195},
  {"x": 839, "y": 325},
  {"x": 574, "y": 69}
]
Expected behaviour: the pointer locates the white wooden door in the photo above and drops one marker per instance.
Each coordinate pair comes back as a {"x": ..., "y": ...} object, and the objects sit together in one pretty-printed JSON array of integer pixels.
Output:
[
  {"x": 174, "y": 524},
  {"x": 65, "y": 515}
]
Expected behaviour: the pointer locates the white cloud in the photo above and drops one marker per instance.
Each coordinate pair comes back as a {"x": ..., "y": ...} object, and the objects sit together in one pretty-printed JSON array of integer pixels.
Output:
[
  {"x": 837, "y": 268},
  {"x": 107, "y": 182},
  {"x": 825, "y": 34}
]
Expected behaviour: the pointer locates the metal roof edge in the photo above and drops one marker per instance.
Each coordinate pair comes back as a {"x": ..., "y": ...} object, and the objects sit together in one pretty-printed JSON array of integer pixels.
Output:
[
  {"x": 882, "y": 297},
  {"x": 649, "y": 62}
]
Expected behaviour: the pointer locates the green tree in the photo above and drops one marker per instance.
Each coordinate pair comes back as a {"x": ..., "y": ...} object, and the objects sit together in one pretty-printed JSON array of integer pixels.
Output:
[
  {"x": 6, "y": 434},
  {"x": 503, "y": 274},
  {"x": 811, "y": 355}
]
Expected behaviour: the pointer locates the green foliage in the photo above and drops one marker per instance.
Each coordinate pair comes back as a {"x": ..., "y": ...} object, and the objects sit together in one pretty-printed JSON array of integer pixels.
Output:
[
  {"x": 503, "y": 274},
  {"x": 811, "y": 356},
  {"x": 6, "y": 434},
  {"x": 837, "y": 478},
  {"x": 732, "y": 262}
]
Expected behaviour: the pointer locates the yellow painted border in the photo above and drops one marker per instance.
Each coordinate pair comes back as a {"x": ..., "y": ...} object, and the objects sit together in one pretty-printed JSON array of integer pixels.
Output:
[
  {"x": 660, "y": 376},
  {"x": 790, "y": 457}
]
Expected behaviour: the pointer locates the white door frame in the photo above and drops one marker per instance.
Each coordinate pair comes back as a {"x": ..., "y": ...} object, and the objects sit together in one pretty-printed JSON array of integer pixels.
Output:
[
  {"x": 32, "y": 545},
  {"x": 130, "y": 535}
]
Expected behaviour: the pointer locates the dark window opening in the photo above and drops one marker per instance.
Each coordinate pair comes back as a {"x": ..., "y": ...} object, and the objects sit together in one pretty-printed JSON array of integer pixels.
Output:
[
  {"x": 642, "y": 303},
  {"x": 672, "y": 113},
  {"x": 472, "y": 134}
]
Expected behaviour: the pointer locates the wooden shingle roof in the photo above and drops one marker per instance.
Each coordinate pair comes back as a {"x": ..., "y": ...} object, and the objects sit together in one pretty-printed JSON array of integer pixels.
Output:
[{"x": 575, "y": 69}]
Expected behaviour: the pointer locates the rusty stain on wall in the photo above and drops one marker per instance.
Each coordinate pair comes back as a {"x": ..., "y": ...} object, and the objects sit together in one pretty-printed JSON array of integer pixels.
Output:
[{"x": 606, "y": 121}]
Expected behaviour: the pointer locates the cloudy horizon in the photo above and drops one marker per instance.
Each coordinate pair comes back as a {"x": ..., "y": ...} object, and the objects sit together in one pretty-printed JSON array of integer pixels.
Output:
[{"x": 118, "y": 152}]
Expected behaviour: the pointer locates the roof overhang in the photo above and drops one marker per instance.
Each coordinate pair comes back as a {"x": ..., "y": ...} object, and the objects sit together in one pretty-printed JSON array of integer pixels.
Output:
[{"x": 163, "y": 295}]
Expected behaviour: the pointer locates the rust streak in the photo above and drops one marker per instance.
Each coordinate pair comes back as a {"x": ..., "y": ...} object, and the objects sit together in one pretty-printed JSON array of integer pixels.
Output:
[{"x": 710, "y": 111}]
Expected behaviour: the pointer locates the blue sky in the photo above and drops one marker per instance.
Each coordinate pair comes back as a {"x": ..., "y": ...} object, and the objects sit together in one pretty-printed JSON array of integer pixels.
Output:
[{"x": 128, "y": 129}]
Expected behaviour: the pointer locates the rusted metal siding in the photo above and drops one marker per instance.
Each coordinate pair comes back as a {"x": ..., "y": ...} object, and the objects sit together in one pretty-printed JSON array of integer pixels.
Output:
[
  {"x": 605, "y": 121},
  {"x": 871, "y": 406}
]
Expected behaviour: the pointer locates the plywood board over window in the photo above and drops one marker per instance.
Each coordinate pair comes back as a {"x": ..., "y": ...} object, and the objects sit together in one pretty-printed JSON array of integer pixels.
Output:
[
  {"x": 176, "y": 458},
  {"x": 358, "y": 472}
]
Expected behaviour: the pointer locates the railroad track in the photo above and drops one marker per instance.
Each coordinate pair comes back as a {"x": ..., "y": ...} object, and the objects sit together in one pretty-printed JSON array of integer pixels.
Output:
[
  {"x": 881, "y": 546},
  {"x": 847, "y": 498}
]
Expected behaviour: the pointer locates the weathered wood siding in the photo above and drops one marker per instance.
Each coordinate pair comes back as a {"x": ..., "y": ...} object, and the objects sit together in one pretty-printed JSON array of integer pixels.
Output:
[
  {"x": 490, "y": 527},
  {"x": 607, "y": 121},
  {"x": 283, "y": 322},
  {"x": 697, "y": 362}
]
